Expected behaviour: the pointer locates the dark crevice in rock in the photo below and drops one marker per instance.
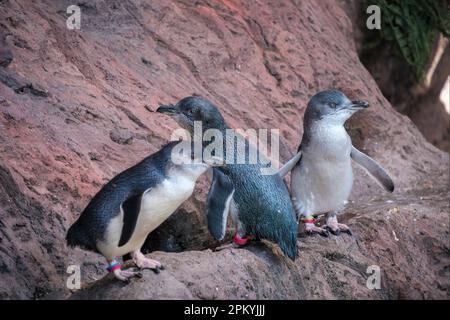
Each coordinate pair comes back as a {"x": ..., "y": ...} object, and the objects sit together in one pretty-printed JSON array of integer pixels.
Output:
[
  {"x": 21, "y": 85},
  {"x": 418, "y": 99}
]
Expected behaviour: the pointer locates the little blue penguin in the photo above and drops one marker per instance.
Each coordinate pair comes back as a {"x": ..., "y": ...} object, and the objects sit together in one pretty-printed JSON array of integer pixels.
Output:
[
  {"x": 134, "y": 203},
  {"x": 259, "y": 203},
  {"x": 322, "y": 176}
]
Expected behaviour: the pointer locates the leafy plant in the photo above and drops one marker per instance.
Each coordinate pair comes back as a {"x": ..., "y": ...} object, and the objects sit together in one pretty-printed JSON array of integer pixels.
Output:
[{"x": 412, "y": 25}]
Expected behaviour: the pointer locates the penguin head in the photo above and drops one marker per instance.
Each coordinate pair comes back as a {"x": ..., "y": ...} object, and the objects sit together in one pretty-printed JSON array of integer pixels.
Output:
[
  {"x": 191, "y": 109},
  {"x": 332, "y": 106}
]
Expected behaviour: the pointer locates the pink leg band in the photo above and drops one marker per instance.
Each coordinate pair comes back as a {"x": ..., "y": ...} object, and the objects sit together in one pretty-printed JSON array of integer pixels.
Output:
[
  {"x": 239, "y": 241},
  {"x": 114, "y": 266}
]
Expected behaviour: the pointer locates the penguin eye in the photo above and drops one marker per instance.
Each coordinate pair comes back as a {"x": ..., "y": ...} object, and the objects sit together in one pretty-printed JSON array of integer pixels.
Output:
[
  {"x": 333, "y": 105},
  {"x": 190, "y": 112}
]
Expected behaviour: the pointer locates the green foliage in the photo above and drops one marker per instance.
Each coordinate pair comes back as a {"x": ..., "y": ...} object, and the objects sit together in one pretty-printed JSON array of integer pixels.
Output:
[{"x": 412, "y": 25}]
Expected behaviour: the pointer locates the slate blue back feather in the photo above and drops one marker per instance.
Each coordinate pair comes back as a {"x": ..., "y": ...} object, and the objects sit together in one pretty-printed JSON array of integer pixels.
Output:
[{"x": 264, "y": 204}]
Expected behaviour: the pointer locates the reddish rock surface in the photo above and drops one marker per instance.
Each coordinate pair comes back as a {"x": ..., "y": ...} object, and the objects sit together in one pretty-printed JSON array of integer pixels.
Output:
[{"x": 76, "y": 108}]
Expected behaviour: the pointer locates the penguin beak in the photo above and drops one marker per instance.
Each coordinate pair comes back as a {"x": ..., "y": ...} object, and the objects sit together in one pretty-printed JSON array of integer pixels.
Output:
[
  {"x": 358, "y": 104},
  {"x": 167, "y": 109}
]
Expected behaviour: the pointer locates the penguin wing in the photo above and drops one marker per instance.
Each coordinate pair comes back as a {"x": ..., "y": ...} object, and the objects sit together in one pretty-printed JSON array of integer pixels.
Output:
[
  {"x": 290, "y": 164},
  {"x": 218, "y": 203},
  {"x": 373, "y": 168},
  {"x": 131, "y": 208}
]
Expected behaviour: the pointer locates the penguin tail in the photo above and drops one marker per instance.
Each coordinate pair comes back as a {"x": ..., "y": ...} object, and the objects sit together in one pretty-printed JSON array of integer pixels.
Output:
[
  {"x": 284, "y": 235},
  {"x": 76, "y": 238},
  {"x": 288, "y": 244}
]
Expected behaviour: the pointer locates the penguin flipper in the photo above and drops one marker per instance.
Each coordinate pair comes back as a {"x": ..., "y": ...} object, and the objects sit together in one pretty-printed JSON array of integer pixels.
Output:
[
  {"x": 131, "y": 208},
  {"x": 218, "y": 203},
  {"x": 373, "y": 168},
  {"x": 290, "y": 164}
]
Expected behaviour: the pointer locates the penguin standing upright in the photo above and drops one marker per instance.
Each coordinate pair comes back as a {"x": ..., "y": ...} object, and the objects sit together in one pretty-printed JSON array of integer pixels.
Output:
[
  {"x": 134, "y": 203},
  {"x": 259, "y": 203},
  {"x": 322, "y": 175}
]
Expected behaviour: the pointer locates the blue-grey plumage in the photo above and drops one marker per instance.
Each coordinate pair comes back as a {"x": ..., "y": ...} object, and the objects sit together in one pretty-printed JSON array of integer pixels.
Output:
[
  {"x": 219, "y": 201},
  {"x": 322, "y": 175},
  {"x": 259, "y": 204},
  {"x": 135, "y": 202}
]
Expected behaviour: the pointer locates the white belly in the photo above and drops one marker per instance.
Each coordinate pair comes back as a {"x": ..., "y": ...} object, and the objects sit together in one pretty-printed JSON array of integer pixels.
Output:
[
  {"x": 323, "y": 180},
  {"x": 321, "y": 185},
  {"x": 156, "y": 206}
]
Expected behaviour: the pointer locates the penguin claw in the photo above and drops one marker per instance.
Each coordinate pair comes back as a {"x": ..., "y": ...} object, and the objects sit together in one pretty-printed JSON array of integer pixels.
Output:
[
  {"x": 344, "y": 228},
  {"x": 311, "y": 230},
  {"x": 339, "y": 230},
  {"x": 156, "y": 270},
  {"x": 143, "y": 262},
  {"x": 127, "y": 274},
  {"x": 335, "y": 232},
  {"x": 348, "y": 231},
  {"x": 139, "y": 274},
  {"x": 323, "y": 233}
]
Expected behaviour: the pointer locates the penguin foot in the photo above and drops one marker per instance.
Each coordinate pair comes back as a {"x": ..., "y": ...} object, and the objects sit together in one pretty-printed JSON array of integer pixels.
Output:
[
  {"x": 337, "y": 228},
  {"x": 311, "y": 228},
  {"x": 142, "y": 262},
  {"x": 127, "y": 274}
]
